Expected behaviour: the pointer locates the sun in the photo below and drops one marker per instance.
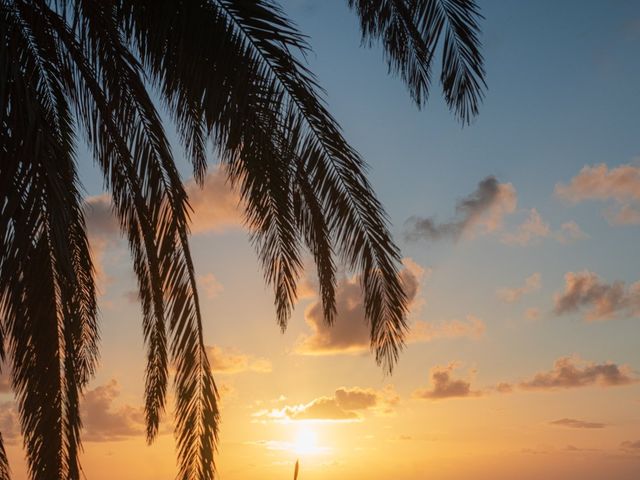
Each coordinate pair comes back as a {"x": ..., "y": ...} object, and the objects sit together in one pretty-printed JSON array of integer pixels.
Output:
[{"x": 306, "y": 441}]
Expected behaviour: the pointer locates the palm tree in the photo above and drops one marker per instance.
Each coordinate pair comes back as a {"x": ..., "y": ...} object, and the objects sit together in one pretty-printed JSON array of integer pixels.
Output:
[{"x": 232, "y": 74}]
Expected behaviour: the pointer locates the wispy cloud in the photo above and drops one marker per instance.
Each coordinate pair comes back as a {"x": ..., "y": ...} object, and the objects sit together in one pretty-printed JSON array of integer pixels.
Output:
[
  {"x": 512, "y": 295},
  {"x": 422, "y": 331},
  {"x": 535, "y": 229},
  {"x": 573, "y": 423},
  {"x": 210, "y": 285},
  {"x": 531, "y": 229}
]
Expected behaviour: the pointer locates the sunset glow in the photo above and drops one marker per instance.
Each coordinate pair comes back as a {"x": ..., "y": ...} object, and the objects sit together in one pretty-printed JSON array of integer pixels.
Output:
[
  {"x": 305, "y": 441},
  {"x": 518, "y": 235}
]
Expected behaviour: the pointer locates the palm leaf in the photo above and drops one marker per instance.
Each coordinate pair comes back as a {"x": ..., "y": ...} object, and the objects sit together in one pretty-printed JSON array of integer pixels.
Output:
[
  {"x": 410, "y": 32},
  {"x": 48, "y": 295},
  {"x": 150, "y": 202},
  {"x": 5, "y": 471},
  {"x": 261, "y": 107}
]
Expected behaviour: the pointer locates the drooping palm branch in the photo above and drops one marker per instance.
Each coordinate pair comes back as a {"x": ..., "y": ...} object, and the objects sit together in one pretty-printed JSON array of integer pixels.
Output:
[{"x": 229, "y": 72}]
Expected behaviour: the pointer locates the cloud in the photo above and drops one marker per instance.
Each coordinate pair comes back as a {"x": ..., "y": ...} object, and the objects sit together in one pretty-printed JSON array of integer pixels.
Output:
[
  {"x": 534, "y": 229},
  {"x": 104, "y": 422},
  {"x": 347, "y": 404},
  {"x": 9, "y": 421},
  {"x": 571, "y": 372},
  {"x": 210, "y": 285},
  {"x": 603, "y": 301},
  {"x": 350, "y": 332},
  {"x": 619, "y": 186},
  {"x": 504, "y": 387},
  {"x": 512, "y": 295},
  {"x": 532, "y": 313},
  {"x": 101, "y": 222},
  {"x": 103, "y": 232},
  {"x": 5, "y": 381},
  {"x": 573, "y": 423},
  {"x": 480, "y": 212},
  {"x": 569, "y": 232},
  {"x": 445, "y": 386},
  {"x": 230, "y": 362},
  {"x": 422, "y": 331},
  {"x": 216, "y": 207},
  {"x": 102, "y": 419},
  {"x": 631, "y": 446},
  {"x": 531, "y": 229}
]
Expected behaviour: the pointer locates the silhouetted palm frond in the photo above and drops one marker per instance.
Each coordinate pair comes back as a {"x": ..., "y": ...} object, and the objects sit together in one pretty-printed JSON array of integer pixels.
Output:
[
  {"x": 410, "y": 32},
  {"x": 5, "y": 472},
  {"x": 231, "y": 73}
]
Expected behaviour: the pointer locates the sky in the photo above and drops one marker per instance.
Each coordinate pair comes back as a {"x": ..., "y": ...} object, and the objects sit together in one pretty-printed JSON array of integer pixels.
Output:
[{"x": 519, "y": 240}]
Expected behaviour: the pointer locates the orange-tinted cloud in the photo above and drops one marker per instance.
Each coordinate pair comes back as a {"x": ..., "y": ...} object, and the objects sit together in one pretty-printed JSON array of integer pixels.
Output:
[
  {"x": 572, "y": 372},
  {"x": 9, "y": 422},
  {"x": 215, "y": 205},
  {"x": 215, "y": 209},
  {"x": 481, "y": 212},
  {"x": 619, "y": 185},
  {"x": 532, "y": 313},
  {"x": 349, "y": 332},
  {"x": 105, "y": 422},
  {"x": 347, "y": 404},
  {"x": 534, "y": 229},
  {"x": 573, "y": 423},
  {"x": 631, "y": 446},
  {"x": 531, "y": 229},
  {"x": 229, "y": 361},
  {"x": 210, "y": 285},
  {"x": 422, "y": 331},
  {"x": 5, "y": 381},
  {"x": 569, "y": 232},
  {"x": 504, "y": 387},
  {"x": 602, "y": 301},
  {"x": 102, "y": 419},
  {"x": 445, "y": 386},
  {"x": 512, "y": 295}
]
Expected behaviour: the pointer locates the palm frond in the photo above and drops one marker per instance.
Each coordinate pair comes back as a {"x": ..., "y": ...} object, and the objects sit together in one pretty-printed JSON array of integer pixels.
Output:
[
  {"x": 150, "y": 201},
  {"x": 229, "y": 72},
  {"x": 254, "y": 92},
  {"x": 48, "y": 294},
  {"x": 411, "y": 31},
  {"x": 5, "y": 471}
]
